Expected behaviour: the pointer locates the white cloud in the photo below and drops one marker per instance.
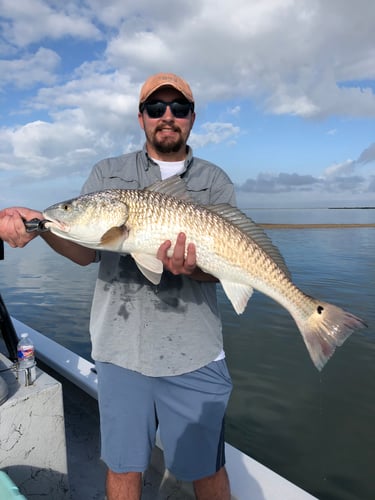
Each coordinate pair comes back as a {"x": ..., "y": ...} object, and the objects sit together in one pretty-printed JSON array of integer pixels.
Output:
[
  {"x": 30, "y": 69},
  {"x": 146, "y": 47},
  {"x": 234, "y": 111},
  {"x": 259, "y": 49},
  {"x": 38, "y": 149},
  {"x": 135, "y": 13},
  {"x": 24, "y": 22},
  {"x": 339, "y": 169},
  {"x": 264, "y": 49},
  {"x": 213, "y": 133},
  {"x": 295, "y": 190},
  {"x": 368, "y": 155},
  {"x": 310, "y": 59}
]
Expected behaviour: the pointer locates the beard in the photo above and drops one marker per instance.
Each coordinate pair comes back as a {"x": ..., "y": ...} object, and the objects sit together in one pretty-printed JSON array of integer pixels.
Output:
[{"x": 167, "y": 144}]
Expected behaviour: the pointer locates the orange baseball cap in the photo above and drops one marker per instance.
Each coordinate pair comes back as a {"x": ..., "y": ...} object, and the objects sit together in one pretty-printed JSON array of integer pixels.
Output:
[{"x": 159, "y": 80}]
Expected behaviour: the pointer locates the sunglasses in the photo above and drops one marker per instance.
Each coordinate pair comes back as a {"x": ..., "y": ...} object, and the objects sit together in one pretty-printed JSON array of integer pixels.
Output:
[{"x": 156, "y": 109}]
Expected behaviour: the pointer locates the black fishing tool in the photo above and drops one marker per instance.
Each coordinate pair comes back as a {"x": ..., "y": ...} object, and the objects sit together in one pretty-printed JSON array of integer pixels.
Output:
[{"x": 36, "y": 225}]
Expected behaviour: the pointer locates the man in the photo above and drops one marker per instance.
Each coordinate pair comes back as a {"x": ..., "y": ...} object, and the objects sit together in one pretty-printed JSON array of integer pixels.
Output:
[{"x": 158, "y": 349}]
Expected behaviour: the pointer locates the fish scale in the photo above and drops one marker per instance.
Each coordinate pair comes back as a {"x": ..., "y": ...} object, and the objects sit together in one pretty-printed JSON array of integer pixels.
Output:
[
  {"x": 229, "y": 246},
  {"x": 203, "y": 228}
]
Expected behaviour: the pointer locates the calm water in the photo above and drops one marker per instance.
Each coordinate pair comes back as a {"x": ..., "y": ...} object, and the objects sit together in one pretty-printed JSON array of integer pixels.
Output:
[{"x": 316, "y": 429}]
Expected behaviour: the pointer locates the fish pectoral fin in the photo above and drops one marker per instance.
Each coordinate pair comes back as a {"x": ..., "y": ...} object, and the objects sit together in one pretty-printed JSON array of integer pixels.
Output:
[
  {"x": 113, "y": 238},
  {"x": 238, "y": 294},
  {"x": 150, "y": 267}
]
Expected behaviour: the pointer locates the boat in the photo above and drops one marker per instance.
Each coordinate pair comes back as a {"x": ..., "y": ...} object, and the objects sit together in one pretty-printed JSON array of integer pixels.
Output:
[{"x": 49, "y": 434}]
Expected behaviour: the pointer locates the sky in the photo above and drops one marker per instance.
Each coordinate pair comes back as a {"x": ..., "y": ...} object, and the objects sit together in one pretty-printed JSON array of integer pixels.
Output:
[{"x": 284, "y": 91}]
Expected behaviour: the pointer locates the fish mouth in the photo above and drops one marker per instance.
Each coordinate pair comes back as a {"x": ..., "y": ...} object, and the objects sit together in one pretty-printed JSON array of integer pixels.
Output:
[{"x": 51, "y": 223}]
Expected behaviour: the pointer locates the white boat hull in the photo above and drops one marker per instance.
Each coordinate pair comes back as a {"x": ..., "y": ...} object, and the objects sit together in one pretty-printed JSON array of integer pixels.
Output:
[{"x": 248, "y": 478}]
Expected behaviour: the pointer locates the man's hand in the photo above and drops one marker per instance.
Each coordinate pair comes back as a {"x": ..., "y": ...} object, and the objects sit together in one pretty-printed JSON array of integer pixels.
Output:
[
  {"x": 12, "y": 228},
  {"x": 178, "y": 263}
]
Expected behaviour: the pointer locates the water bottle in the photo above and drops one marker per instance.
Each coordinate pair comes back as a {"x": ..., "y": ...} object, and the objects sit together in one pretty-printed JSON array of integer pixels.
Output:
[{"x": 26, "y": 360}]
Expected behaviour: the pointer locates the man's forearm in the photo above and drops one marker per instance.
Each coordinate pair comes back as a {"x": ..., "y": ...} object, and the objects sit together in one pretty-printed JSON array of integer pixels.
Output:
[
  {"x": 200, "y": 275},
  {"x": 77, "y": 253}
]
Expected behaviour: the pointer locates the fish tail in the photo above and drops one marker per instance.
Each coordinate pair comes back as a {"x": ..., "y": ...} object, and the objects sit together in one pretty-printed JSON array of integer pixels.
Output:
[{"x": 326, "y": 328}]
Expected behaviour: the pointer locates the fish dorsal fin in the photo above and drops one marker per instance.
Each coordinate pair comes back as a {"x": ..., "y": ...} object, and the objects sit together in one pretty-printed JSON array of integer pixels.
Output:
[
  {"x": 150, "y": 267},
  {"x": 238, "y": 294},
  {"x": 173, "y": 186},
  {"x": 251, "y": 229}
]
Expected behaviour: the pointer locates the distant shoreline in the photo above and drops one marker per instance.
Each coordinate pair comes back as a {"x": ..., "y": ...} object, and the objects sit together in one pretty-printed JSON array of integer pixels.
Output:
[
  {"x": 314, "y": 226},
  {"x": 351, "y": 208}
]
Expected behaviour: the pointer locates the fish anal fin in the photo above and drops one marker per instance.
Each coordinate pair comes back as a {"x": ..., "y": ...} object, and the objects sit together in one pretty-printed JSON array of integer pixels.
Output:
[
  {"x": 113, "y": 238},
  {"x": 150, "y": 266},
  {"x": 238, "y": 294}
]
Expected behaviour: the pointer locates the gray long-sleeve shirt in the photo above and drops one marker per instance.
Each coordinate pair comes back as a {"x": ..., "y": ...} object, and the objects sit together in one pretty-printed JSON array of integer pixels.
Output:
[{"x": 168, "y": 329}]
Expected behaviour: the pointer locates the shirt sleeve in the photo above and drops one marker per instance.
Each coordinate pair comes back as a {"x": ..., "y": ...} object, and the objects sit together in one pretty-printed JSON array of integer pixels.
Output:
[
  {"x": 222, "y": 190},
  {"x": 94, "y": 181}
]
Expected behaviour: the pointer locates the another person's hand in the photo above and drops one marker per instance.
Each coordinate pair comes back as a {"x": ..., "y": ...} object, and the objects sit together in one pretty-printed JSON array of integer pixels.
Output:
[{"x": 12, "y": 228}]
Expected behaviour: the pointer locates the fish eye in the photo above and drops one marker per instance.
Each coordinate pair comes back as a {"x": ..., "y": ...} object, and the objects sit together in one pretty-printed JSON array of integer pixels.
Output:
[{"x": 66, "y": 207}]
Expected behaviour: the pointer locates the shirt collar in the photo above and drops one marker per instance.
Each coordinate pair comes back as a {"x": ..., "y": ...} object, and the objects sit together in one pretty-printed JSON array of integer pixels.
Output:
[{"x": 149, "y": 161}]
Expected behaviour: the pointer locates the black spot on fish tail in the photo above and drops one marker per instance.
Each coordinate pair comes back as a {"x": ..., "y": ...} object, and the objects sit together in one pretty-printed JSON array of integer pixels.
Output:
[{"x": 325, "y": 329}]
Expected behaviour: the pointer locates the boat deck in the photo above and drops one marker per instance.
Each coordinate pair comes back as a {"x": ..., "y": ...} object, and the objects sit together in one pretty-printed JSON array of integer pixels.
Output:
[
  {"x": 248, "y": 478},
  {"x": 86, "y": 470}
]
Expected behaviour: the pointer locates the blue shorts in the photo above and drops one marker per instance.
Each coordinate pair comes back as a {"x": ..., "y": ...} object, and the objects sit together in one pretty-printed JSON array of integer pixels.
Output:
[{"x": 189, "y": 410}]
